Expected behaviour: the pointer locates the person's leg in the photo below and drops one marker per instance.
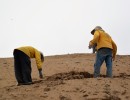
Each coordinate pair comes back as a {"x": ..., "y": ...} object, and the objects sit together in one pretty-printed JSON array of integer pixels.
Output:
[
  {"x": 99, "y": 60},
  {"x": 17, "y": 67},
  {"x": 26, "y": 68},
  {"x": 108, "y": 61}
]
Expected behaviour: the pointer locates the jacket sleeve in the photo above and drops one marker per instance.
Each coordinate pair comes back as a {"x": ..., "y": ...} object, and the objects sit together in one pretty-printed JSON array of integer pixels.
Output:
[
  {"x": 95, "y": 38},
  {"x": 38, "y": 59},
  {"x": 114, "y": 48}
]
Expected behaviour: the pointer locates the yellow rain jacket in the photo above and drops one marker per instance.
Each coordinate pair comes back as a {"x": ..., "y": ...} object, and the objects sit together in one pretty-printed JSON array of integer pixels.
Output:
[
  {"x": 32, "y": 53},
  {"x": 104, "y": 40}
]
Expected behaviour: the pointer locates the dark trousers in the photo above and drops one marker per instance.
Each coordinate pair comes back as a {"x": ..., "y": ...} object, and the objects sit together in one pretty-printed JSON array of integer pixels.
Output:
[{"x": 22, "y": 67}]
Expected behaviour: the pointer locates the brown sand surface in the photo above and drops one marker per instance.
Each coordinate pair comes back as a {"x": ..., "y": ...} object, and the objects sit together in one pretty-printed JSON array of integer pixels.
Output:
[{"x": 68, "y": 77}]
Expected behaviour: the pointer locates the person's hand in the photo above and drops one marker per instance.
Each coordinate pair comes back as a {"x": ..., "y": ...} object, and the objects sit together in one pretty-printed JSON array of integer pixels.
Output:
[
  {"x": 113, "y": 58},
  {"x": 41, "y": 76},
  {"x": 40, "y": 73},
  {"x": 90, "y": 45}
]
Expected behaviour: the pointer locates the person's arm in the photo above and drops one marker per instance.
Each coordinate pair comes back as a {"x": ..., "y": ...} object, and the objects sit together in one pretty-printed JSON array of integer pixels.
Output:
[
  {"x": 38, "y": 59},
  {"x": 94, "y": 40},
  {"x": 114, "y": 50},
  {"x": 39, "y": 63}
]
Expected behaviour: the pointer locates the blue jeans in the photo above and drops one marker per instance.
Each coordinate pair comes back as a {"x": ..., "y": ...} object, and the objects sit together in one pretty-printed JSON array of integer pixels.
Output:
[{"x": 103, "y": 54}]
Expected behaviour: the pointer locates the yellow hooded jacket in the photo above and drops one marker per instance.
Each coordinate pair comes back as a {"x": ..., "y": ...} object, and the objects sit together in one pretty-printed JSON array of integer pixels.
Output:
[
  {"x": 32, "y": 53},
  {"x": 104, "y": 40}
]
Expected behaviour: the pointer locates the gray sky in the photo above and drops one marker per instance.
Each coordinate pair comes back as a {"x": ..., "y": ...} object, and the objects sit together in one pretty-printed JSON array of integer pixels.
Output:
[{"x": 62, "y": 26}]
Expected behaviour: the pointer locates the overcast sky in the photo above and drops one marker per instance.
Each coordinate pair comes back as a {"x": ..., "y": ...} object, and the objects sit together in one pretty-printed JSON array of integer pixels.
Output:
[{"x": 62, "y": 26}]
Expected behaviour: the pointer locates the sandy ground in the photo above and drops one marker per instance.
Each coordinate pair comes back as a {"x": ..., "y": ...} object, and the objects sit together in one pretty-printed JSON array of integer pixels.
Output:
[{"x": 68, "y": 77}]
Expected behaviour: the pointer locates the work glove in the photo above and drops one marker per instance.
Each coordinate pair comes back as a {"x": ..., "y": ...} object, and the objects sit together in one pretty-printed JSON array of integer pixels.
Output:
[{"x": 40, "y": 73}]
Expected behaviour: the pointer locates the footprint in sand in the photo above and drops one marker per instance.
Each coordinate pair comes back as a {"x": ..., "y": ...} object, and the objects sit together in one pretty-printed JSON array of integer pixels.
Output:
[
  {"x": 83, "y": 91},
  {"x": 44, "y": 96},
  {"x": 47, "y": 89},
  {"x": 65, "y": 97},
  {"x": 85, "y": 95},
  {"x": 13, "y": 94},
  {"x": 124, "y": 92},
  {"x": 36, "y": 86},
  {"x": 113, "y": 97}
]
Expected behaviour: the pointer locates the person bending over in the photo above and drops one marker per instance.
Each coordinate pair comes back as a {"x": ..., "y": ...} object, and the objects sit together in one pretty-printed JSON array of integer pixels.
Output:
[{"x": 22, "y": 64}]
